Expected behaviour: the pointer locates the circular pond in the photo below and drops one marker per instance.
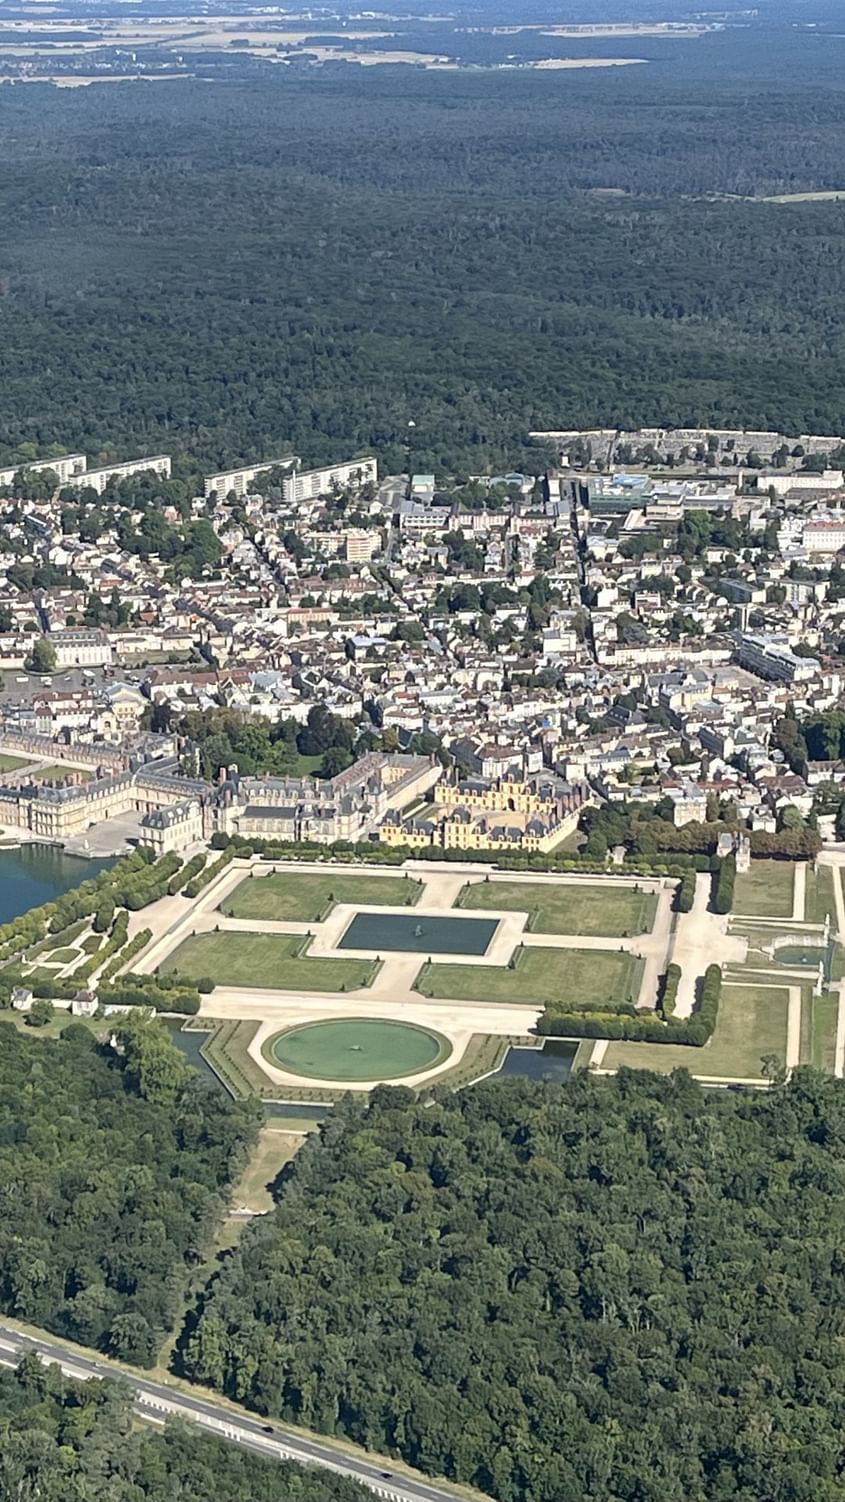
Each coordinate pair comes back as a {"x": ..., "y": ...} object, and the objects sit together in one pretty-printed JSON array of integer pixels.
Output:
[{"x": 356, "y": 1049}]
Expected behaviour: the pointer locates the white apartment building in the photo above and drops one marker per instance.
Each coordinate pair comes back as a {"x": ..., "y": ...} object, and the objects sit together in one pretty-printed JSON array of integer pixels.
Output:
[
  {"x": 72, "y": 469},
  {"x": 824, "y": 534},
  {"x": 782, "y": 483},
  {"x": 360, "y": 547},
  {"x": 770, "y": 657},
  {"x": 239, "y": 480},
  {"x": 297, "y": 484},
  {"x": 305, "y": 485},
  {"x": 67, "y": 469},
  {"x": 98, "y": 479}
]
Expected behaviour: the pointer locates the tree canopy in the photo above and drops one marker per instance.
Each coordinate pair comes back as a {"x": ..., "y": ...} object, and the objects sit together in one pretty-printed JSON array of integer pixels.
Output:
[
  {"x": 66, "y": 1441},
  {"x": 114, "y": 1170},
  {"x": 491, "y": 253},
  {"x": 628, "y": 1289}
]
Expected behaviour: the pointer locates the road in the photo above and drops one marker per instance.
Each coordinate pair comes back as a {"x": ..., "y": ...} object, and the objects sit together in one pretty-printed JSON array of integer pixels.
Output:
[{"x": 157, "y": 1402}]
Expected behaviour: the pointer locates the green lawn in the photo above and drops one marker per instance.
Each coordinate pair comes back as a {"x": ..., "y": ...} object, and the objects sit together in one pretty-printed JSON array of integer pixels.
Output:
[
  {"x": 60, "y": 1019},
  {"x": 57, "y": 771},
  {"x": 11, "y": 763},
  {"x": 307, "y": 898},
  {"x": 542, "y": 975},
  {"x": 60, "y": 956},
  {"x": 766, "y": 890},
  {"x": 752, "y": 1022},
  {"x": 264, "y": 960},
  {"x": 819, "y": 901},
  {"x": 592, "y": 909},
  {"x": 824, "y": 1014}
]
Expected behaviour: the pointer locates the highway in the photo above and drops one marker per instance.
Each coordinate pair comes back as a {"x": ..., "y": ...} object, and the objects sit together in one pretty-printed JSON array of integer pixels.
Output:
[{"x": 157, "y": 1402}]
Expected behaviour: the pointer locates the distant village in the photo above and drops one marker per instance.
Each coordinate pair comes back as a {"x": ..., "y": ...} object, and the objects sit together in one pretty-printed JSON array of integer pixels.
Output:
[{"x": 629, "y": 623}]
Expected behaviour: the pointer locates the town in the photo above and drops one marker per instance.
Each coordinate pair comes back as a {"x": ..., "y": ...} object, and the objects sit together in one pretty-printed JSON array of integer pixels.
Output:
[
  {"x": 584, "y": 720},
  {"x": 631, "y": 624}
]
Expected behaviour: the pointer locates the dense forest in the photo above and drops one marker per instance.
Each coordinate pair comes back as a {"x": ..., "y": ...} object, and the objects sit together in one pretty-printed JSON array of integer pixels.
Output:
[
  {"x": 114, "y": 1171},
  {"x": 64, "y": 1441},
  {"x": 630, "y": 1289},
  {"x": 221, "y": 271}
]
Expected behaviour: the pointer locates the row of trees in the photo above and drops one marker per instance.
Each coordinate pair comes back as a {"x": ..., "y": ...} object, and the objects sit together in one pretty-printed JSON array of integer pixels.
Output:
[
  {"x": 647, "y": 829},
  {"x": 132, "y": 882}
]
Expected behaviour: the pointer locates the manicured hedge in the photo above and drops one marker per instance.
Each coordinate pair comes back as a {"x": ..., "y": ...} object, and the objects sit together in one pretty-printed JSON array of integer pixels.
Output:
[
  {"x": 723, "y": 886},
  {"x": 127, "y": 953},
  {"x": 645, "y": 1027},
  {"x": 686, "y": 892},
  {"x": 163, "y": 998},
  {"x": 669, "y": 990}
]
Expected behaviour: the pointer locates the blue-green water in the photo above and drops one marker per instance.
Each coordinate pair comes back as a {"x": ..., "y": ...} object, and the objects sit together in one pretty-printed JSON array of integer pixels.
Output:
[
  {"x": 552, "y": 1062},
  {"x": 801, "y": 955},
  {"x": 191, "y": 1040},
  {"x": 39, "y": 873},
  {"x": 417, "y": 934}
]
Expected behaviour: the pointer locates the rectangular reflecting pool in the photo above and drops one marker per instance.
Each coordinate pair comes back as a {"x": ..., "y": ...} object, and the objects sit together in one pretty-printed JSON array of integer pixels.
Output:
[
  {"x": 417, "y": 934},
  {"x": 551, "y": 1063}
]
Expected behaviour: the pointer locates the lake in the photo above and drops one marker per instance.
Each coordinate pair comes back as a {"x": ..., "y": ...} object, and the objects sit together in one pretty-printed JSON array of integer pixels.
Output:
[{"x": 40, "y": 873}]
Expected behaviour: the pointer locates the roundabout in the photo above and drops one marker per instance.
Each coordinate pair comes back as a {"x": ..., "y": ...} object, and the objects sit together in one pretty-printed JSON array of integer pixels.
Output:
[{"x": 355, "y": 1050}]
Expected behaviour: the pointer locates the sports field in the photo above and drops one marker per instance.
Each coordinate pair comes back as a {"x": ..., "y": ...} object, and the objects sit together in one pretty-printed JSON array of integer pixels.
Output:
[
  {"x": 561, "y": 908},
  {"x": 573, "y": 976},
  {"x": 355, "y": 1049},
  {"x": 766, "y": 890},
  {"x": 752, "y": 1022},
  {"x": 307, "y": 898},
  {"x": 264, "y": 960}
]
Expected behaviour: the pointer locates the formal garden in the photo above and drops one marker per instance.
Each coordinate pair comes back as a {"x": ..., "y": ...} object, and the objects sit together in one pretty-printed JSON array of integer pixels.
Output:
[
  {"x": 592, "y": 909},
  {"x": 306, "y": 898},
  {"x": 276, "y": 962}
]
